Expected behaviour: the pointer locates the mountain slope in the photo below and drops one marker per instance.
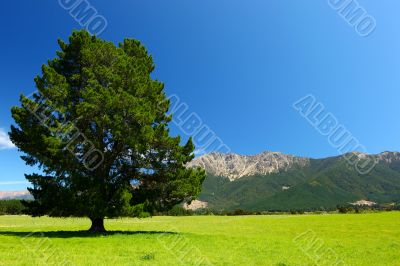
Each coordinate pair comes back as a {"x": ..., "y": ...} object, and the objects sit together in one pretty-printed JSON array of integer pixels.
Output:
[{"x": 274, "y": 181}]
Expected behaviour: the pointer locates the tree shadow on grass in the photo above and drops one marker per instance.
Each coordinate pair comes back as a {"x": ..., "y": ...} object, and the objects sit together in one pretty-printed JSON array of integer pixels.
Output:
[{"x": 71, "y": 234}]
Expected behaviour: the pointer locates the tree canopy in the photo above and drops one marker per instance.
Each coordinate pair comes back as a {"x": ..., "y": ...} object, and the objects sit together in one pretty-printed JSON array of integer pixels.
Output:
[{"x": 97, "y": 128}]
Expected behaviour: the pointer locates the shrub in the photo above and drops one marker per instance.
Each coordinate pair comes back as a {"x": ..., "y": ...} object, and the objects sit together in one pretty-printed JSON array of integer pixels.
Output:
[{"x": 11, "y": 207}]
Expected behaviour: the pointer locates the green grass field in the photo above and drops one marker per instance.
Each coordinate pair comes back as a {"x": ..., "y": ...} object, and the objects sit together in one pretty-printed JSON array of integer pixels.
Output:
[{"x": 351, "y": 239}]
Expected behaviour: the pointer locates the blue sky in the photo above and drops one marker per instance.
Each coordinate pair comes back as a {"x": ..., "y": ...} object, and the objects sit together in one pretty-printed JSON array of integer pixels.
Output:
[{"x": 238, "y": 65}]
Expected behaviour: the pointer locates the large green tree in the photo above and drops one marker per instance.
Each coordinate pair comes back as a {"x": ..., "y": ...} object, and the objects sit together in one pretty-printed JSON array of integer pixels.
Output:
[{"x": 97, "y": 128}]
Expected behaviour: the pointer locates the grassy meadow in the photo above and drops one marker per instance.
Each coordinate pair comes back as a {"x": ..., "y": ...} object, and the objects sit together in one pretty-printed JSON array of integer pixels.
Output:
[{"x": 333, "y": 239}]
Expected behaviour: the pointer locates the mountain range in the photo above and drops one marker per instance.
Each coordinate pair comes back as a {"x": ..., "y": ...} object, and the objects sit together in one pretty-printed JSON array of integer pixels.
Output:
[
  {"x": 275, "y": 181},
  {"x": 22, "y": 194}
]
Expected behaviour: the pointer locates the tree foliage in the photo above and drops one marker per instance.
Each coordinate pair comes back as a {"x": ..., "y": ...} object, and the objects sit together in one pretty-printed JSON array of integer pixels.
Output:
[{"x": 97, "y": 127}]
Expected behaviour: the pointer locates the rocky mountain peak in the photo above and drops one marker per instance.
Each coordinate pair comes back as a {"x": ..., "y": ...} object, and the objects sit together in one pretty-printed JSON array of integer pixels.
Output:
[
  {"x": 389, "y": 157},
  {"x": 235, "y": 166}
]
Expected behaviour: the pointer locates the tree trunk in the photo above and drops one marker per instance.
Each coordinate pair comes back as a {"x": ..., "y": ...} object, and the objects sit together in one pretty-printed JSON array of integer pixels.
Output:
[{"x": 97, "y": 225}]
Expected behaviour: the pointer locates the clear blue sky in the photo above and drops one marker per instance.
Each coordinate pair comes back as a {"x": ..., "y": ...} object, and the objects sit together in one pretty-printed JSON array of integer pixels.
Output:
[{"x": 240, "y": 65}]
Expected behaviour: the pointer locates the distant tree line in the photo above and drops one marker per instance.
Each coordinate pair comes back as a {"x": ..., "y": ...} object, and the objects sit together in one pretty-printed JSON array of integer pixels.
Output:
[
  {"x": 362, "y": 209},
  {"x": 11, "y": 207},
  {"x": 16, "y": 207},
  {"x": 180, "y": 211}
]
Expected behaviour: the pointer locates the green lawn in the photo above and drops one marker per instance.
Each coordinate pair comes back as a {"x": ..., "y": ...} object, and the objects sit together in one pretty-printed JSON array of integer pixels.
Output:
[{"x": 352, "y": 239}]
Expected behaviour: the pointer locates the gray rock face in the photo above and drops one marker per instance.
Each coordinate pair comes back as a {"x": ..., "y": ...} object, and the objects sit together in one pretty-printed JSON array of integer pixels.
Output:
[
  {"x": 235, "y": 166},
  {"x": 388, "y": 157}
]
